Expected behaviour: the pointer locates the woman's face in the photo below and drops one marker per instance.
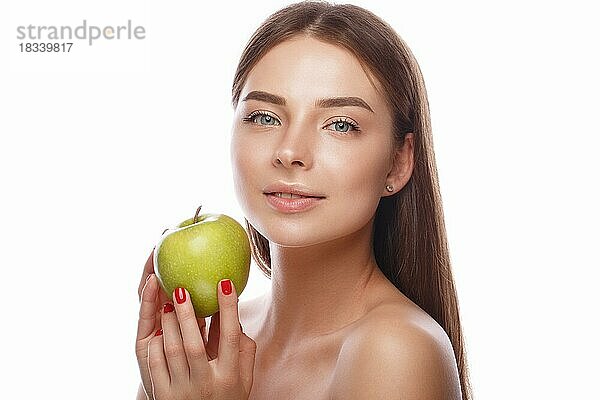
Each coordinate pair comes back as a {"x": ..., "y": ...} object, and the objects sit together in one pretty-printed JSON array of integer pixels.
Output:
[{"x": 314, "y": 145}]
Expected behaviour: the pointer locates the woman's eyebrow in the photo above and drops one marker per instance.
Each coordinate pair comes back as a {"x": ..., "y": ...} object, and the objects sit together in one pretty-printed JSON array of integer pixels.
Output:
[
  {"x": 266, "y": 97},
  {"x": 321, "y": 103},
  {"x": 342, "y": 102}
]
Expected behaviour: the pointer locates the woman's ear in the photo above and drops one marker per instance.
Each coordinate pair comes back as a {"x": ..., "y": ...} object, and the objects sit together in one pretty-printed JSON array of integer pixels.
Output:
[{"x": 402, "y": 166}]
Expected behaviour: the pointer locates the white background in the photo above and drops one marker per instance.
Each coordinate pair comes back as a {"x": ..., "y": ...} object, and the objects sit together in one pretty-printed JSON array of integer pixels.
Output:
[{"x": 103, "y": 148}]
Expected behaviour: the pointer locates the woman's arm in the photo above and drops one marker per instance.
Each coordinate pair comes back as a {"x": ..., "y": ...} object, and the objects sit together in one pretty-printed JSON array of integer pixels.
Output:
[{"x": 383, "y": 362}]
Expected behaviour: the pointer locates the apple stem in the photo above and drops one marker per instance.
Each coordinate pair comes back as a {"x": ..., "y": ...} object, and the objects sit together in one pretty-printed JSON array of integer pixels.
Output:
[{"x": 197, "y": 212}]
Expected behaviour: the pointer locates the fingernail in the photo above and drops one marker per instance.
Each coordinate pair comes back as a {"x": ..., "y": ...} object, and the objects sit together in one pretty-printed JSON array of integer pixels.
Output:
[
  {"x": 158, "y": 332},
  {"x": 226, "y": 286},
  {"x": 180, "y": 295},
  {"x": 168, "y": 307}
]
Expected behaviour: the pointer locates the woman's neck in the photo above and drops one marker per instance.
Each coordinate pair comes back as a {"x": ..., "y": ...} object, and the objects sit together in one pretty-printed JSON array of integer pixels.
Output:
[{"x": 319, "y": 289}]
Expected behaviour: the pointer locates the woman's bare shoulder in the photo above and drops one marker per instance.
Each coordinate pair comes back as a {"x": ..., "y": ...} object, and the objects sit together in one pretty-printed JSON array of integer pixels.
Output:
[
  {"x": 396, "y": 351},
  {"x": 398, "y": 314}
]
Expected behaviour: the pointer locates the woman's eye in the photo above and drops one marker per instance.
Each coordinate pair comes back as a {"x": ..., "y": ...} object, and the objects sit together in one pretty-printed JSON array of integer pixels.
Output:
[
  {"x": 262, "y": 118},
  {"x": 343, "y": 126}
]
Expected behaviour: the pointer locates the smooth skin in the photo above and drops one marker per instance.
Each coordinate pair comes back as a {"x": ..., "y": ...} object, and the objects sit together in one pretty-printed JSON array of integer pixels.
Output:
[{"x": 332, "y": 326}]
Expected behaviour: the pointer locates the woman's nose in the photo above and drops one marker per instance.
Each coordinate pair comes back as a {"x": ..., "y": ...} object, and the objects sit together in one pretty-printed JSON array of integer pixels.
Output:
[
  {"x": 294, "y": 149},
  {"x": 289, "y": 159}
]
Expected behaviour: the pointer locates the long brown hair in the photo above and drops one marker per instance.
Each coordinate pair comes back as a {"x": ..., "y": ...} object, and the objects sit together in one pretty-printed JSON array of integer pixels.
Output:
[{"x": 409, "y": 233}]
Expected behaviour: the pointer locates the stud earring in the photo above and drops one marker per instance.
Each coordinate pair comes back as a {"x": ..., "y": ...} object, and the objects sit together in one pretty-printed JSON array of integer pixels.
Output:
[{"x": 389, "y": 188}]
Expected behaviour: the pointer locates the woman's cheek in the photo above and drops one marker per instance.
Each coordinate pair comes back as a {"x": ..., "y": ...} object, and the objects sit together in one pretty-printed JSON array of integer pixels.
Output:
[{"x": 248, "y": 169}]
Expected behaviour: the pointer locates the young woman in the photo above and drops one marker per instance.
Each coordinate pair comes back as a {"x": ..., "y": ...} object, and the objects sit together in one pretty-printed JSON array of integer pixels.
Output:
[{"x": 334, "y": 170}]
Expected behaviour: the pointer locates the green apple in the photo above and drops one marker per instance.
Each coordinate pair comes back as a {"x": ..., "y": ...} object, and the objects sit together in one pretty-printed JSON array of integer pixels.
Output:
[{"x": 198, "y": 253}]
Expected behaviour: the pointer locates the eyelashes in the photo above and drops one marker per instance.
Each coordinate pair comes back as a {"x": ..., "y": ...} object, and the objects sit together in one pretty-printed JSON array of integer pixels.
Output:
[
  {"x": 340, "y": 122},
  {"x": 344, "y": 121},
  {"x": 253, "y": 115}
]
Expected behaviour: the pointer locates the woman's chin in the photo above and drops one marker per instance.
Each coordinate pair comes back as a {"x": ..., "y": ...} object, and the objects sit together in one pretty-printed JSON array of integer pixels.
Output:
[{"x": 289, "y": 234}]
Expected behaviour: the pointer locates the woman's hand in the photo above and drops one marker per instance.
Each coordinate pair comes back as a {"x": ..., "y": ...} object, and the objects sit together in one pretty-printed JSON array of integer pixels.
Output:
[
  {"x": 142, "y": 345},
  {"x": 150, "y": 317},
  {"x": 179, "y": 362}
]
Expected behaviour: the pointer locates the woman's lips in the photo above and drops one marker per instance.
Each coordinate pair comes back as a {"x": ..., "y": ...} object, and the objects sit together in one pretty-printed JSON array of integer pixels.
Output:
[{"x": 294, "y": 205}]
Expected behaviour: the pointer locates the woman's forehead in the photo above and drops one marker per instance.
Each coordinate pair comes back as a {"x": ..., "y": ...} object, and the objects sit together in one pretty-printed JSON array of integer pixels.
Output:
[{"x": 306, "y": 69}]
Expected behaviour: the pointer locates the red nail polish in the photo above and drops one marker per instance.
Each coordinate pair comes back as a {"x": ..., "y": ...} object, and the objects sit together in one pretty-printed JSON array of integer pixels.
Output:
[
  {"x": 226, "y": 286},
  {"x": 168, "y": 307},
  {"x": 180, "y": 295},
  {"x": 158, "y": 332}
]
